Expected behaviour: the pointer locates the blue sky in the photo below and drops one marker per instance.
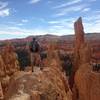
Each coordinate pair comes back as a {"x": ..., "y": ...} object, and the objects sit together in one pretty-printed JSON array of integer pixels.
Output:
[{"x": 21, "y": 18}]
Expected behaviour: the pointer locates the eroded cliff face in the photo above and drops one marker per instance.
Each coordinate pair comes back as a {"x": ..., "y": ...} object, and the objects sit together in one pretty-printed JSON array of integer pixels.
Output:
[
  {"x": 2, "y": 75},
  {"x": 8, "y": 66},
  {"x": 2, "y": 68},
  {"x": 10, "y": 60},
  {"x": 87, "y": 81},
  {"x": 82, "y": 75}
]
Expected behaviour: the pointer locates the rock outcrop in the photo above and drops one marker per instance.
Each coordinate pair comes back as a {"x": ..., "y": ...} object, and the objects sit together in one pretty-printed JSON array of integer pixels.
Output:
[
  {"x": 2, "y": 68},
  {"x": 1, "y": 92},
  {"x": 10, "y": 59},
  {"x": 39, "y": 85},
  {"x": 87, "y": 82},
  {"x": 2, "y": 76},
  {"x": 8, "y": 66},
  {"x": 48, "y": 84},
  {"x": 79, "y": 40},
  {"x": 82, "y": 75}
]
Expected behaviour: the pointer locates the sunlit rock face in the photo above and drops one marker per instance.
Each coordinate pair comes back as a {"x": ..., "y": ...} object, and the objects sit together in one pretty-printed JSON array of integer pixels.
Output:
[
  {"x": 82, "y": 75},
  {"x": 40, "y": 85},
  {"x": 2, "y": 68},
  {"x": 87, "y": 82},
  {"x": 79, "y": 40},
  {"x": 48, "y": 84},
  {"x": 10, "y": 59},
  {"x": 8, "y": 66},
  {"x": 2, "y": 75}
]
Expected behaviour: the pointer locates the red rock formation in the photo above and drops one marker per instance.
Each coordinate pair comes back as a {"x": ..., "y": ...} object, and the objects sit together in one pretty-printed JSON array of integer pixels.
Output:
[
  {"x": 79, "y": 40},
  {"x": 1, "y": 92},
  {"x": 86, "y": 88},
  {"x": 8, "y": 66},
  {"x": 2, "y": 76},
  {"x": 87, "y": 81},
  {"x": 10, "y": 59},
  {"x": 2, "y": 68},
  {"x": 79, "y": 33},
  {"x": 48, "y": 84}
]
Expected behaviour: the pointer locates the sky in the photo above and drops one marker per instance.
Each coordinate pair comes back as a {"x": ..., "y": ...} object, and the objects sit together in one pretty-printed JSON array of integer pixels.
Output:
[{"x": 21, "y": 18}]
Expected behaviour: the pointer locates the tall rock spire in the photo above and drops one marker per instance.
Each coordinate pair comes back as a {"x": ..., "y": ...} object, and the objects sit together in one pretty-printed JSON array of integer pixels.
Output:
[
  {"x": 79, "y": 40},
  {"x": 79, "y": 33}
]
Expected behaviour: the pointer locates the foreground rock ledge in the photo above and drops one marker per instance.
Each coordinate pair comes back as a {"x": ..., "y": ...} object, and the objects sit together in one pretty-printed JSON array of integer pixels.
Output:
[{"x": 49, "y": 84}]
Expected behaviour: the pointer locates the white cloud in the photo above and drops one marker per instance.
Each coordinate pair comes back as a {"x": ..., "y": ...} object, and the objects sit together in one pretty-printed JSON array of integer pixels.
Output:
[
  {"x": 53, "y": 22},
  {"x": 24, "y": 20},
  {"x": 20, "y": 24},
  {"x": 5, "y": 12},
  {"x": 3, "y": 5},
  {"x": 13, "y": 28},
  {"x": 62, "y": 26},
  {"x": 73, "y": 2},
  {"x": 86, "y": 9},
  {"x": 74, "y": 6},
  {"x": 58, "y": 26},
  {"x": 91, "y": 27},
  {"x": 34, "y": 1},
  {"x": 21, "y": 31},
  {"x": 65, "y": 23},
  {"x": 91, "y": 22},
  {"x": 67, "y": 4},
  {"x": 91, "y": 18},
  {"x": 70, "y": 9},
  {"x": 49, "y": 2}
]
